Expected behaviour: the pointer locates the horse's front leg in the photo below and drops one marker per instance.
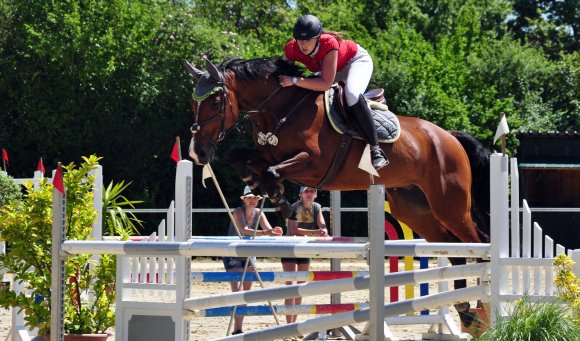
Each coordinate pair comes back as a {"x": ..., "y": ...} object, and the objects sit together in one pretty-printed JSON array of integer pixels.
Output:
[
  {"x": 248, "y": 165},
  {"x": 272, "y": 177}
]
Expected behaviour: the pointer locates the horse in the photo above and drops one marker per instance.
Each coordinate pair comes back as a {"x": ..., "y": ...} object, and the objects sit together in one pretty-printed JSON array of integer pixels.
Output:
[{"x": 428, "y": 183}]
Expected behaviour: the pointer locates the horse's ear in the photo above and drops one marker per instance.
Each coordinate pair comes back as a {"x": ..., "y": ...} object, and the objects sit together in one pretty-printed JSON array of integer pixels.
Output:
[
  {"x": 192, "y": 70},
  {"x": 214, "y": 73}
]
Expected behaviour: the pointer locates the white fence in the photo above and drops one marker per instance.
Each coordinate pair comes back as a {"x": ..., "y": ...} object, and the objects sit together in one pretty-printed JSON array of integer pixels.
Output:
[{"x": 526, "y": 262}]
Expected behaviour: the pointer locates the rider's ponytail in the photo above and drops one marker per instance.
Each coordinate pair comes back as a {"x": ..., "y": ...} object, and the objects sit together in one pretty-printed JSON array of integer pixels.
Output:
[{"x": 337, "y": 35}]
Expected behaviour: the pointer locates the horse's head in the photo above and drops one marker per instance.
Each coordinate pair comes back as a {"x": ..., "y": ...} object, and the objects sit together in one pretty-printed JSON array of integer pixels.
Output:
[{"x": 215, "y": 111}]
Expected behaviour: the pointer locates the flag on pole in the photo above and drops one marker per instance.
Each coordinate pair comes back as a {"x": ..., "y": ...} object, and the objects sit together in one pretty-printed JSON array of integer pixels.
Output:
[
  {"x": 205, "y": 174},
  {"x": 57, "y": 182},
  {"x": 502, "y": 128},
  {"x": 176, "y": 152},
  {"x": 366, "y": 163},
  {"x": 5, "y": 158},
  {"x": 40, "y": 166}
]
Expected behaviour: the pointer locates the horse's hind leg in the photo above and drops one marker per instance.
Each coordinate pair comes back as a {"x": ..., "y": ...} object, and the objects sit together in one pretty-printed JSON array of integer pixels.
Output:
[
  {"x": 411, "y": 207},
  {"x": 450, "y": 204}
]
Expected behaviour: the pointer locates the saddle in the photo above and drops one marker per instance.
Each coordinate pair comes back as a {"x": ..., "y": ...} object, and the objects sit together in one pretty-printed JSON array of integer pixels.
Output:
[{"x": 386, "y": 123}]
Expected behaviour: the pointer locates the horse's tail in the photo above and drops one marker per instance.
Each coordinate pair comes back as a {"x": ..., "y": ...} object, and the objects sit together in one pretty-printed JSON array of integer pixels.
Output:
[{"x": 479, "y": 161}]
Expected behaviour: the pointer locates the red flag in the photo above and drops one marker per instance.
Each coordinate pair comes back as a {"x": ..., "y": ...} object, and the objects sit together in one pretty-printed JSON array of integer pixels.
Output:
[
  {"x": 57, "y": 181},
  {"x": 40, "y": 166},
  {"x": 176, "y": 152},
  {"x": 4, "y": 155}
]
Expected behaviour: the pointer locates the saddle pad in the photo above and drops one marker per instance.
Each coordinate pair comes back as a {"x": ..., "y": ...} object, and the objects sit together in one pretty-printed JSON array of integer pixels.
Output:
[{"x": 386, "y": 123}]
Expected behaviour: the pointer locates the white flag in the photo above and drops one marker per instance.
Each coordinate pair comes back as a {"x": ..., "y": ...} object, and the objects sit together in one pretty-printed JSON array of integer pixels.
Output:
[
  {"x": 205, "y": 174},
  {"x": 502, "y": 129},
  {"x": 366, "y": 163},
  {"x": 190, "y": 149}
]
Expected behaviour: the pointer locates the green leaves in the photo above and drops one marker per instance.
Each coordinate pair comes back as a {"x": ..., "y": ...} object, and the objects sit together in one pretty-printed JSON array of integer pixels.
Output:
[
  {"x": 105, "y": 77},
  {"x": 118, "y": 222},
  {"x": 27, "y": 229},
  {"x": 9, "y": 189}
]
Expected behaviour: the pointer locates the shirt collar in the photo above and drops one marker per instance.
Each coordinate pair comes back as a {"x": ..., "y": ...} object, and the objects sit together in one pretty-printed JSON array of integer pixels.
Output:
[{"x": 313, "y": 53}]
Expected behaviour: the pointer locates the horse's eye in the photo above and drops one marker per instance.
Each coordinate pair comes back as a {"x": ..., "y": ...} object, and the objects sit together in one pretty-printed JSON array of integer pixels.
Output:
[{"x": 216, "y": 101}]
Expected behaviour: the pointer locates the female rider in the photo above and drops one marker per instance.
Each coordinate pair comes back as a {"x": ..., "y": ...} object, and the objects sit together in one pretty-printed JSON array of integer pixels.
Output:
[{"x": 335, "y": 59}]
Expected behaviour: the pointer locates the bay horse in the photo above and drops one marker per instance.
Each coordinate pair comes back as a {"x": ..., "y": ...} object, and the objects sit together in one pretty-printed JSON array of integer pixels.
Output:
[{"x": 428, "y": 182}]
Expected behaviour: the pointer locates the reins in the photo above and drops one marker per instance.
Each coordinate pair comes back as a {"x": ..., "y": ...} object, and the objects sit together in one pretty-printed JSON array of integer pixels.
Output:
[{"x": 284, "y": 119}]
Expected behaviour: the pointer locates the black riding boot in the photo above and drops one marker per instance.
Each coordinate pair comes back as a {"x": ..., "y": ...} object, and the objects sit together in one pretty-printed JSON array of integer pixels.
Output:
[{"x": 364, "y": 118}]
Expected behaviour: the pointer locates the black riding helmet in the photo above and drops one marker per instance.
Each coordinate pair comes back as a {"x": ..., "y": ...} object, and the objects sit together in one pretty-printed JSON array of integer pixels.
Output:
[{"x": 307, "y": 27}]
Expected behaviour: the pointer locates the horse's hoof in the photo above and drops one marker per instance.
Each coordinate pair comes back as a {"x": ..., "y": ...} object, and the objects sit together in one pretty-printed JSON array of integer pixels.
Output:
[
  {"x": 272, "y": 170},
  {"x": 467, "y": 318},
  {"x": 462, "y": 307}
]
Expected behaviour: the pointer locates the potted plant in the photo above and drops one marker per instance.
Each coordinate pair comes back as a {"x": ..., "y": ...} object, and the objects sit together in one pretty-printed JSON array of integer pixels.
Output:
[{"x": 26, "y": 225}]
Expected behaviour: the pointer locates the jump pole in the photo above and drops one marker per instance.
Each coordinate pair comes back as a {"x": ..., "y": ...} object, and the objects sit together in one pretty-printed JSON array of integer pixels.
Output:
[
  {"x": 58, "y": 283},
  {"x": 499, "y": 234},
  {"x": 243, "y": 248},
  {"x": 357, "y": 316},
  {"x": 334, "y": 286},
  {"x": 262, "y": 310},
  {"x": 271, "y": 276},
  {"x": 376, "y": 260}
]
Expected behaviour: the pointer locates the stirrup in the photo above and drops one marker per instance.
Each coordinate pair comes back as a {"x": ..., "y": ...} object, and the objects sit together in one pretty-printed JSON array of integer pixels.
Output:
[
  {"x": 379, "y": 159},
  {"x": 380, "y": 162}
]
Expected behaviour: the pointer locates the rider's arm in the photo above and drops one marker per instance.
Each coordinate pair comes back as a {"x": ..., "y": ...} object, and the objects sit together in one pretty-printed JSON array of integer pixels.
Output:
[
  {"x": 327, "y": 74},
  {"x": 320, "y": 83}
]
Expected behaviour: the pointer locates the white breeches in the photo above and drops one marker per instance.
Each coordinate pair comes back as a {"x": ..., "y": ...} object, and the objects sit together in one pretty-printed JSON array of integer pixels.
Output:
[{"x": 356, "y": 76}]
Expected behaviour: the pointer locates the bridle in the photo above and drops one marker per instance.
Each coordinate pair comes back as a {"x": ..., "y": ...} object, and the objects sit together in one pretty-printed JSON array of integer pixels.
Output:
[{"x": 221, "y": 115}]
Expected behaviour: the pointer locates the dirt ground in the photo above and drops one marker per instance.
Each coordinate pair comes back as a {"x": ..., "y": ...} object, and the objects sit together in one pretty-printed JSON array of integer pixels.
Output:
[{"x": 216, "y": 327}]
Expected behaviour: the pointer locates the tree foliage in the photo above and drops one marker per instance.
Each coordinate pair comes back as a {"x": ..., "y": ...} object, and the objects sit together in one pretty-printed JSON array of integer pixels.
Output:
[{"x": 105, "y": 77}]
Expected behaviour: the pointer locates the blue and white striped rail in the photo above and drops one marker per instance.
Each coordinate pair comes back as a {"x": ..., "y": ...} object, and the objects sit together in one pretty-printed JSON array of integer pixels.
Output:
[{"x": 243, "y": 248}]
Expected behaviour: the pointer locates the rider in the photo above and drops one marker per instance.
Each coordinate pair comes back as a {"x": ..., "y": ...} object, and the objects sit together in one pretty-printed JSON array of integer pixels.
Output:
[{"x": 335, "y": 59}]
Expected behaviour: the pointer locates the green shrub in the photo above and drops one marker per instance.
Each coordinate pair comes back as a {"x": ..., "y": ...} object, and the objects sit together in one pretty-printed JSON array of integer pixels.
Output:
[
  {"x": 567, "y": 285},
  {"x": 9, "y": 189},
  {"x": 528, "y": 321},
  {"x": 27, "y": 229}
]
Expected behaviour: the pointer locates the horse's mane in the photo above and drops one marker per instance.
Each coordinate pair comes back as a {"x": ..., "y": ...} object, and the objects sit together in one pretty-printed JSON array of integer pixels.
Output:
[{"x": 247, "y": 70}]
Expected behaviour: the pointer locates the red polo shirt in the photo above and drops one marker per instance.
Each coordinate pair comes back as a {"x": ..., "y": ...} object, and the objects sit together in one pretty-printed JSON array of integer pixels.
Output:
[{"x": 346, "y": 50}]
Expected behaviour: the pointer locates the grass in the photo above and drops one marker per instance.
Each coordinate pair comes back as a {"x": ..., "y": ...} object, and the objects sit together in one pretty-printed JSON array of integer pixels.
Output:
[{"x": 528, "y": 321}]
